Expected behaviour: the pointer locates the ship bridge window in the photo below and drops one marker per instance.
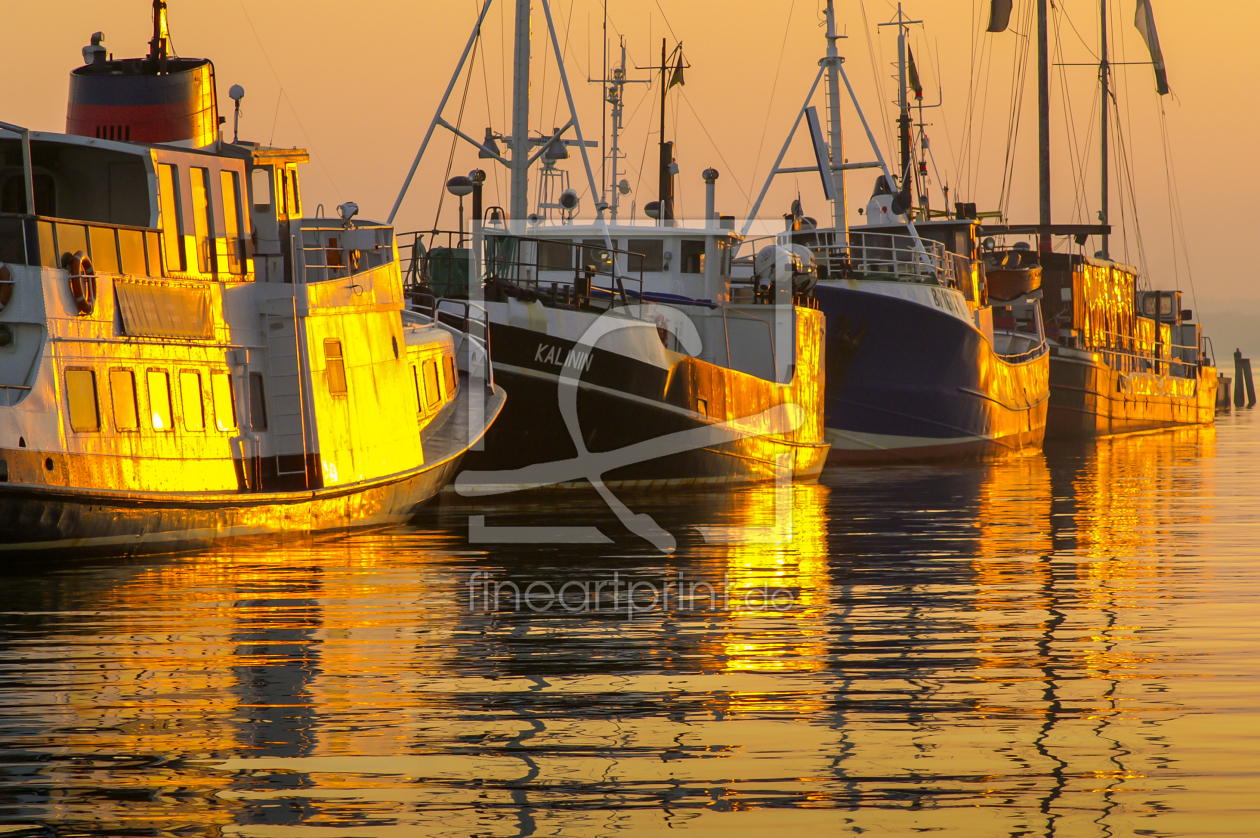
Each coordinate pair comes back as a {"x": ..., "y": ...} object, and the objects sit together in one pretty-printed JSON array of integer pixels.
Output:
[
  {"x": 233, "y": 226},
  {"x": 295, "y": 202},
  {"x": 191, "y": 403},
  {"x": 224, "y": 401},
  {"x": 260, "y": 187},
  {"x": 452, "y": 376},
  {"x": 13, "y": 195},
  {"x": 81, "y": 399},
  {"x": 692, "y": 256},
  {"x": 172, "y": 216},
  {"x": 160, "y": 400},
  {"x": 555, "y": 256},
  {"x": 71, "y": 238},
  {"x": 203, "y": 227},
  {"x": 335, "y": 368},
  {"x": 104, "y": 250},
  {"x": 652, "y": 258},
  {"x": 122, "y": 387},
  {"x": 130, "y": 252}
]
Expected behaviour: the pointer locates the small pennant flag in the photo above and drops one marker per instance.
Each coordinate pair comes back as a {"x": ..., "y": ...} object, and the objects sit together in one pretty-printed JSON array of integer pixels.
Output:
[
  {"x": 915, "y": 84},
  {"x": 999, "y": 15},
  {"x": 1145, "y": 23},
  {"x": 677, "y": 76}
]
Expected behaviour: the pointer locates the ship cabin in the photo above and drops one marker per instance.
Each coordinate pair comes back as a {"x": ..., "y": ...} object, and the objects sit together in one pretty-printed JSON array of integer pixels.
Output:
[
  {"x": 171, "y": 320},
  {"x": 1094, "y": 304}
]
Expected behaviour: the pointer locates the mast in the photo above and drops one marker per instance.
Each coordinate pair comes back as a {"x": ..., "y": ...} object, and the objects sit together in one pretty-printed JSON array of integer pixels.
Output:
[
  {"x": 839, "y": 207},
  {"x": 1104, "y": 73},
  {"x": 1045, "y": 242},
  {"x": 518, "y": 206},
  {"x": 903, "y": 101},
  {"x": 666, "y": 178},
  {"x": 616, "y": 98}
]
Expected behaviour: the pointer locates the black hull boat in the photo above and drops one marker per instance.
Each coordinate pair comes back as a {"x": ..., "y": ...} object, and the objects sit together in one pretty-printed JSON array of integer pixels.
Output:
[{"x": 647, "y": 426}]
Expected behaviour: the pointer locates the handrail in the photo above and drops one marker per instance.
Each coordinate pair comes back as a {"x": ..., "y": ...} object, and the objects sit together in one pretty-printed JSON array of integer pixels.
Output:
[{"x": 862, "y": 254}]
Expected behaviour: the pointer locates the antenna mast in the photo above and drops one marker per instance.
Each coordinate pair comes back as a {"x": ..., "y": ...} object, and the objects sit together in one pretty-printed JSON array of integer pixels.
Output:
[
  {"x": 1045, "y": 242},
  {"x": 615, "y": 97},
  {"x": 839, "y": 200}
]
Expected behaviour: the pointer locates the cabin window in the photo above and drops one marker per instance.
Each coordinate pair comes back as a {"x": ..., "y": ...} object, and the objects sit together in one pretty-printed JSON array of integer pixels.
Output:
[
  {"x": 202, "y": 227},
  {"x": 122, "y": 388},
  {"x": 81, "y": 398},
  {"x": 172, "y": 216},
  {"x": 452, "y": 377},
  {"x": 191, "y": 403},
  {"x": 595, "y": 252},
  {"x": 335, "y": 368},
  {"x": 295, "y": 202},
  {"x": 260, "y": 186},
  {"x": 415, "y": 377},
  {"x": 282, "y": 197},
  {"x": 224, "y": 401},
  {"x": 646, "y": 255},
  {"x": 432, "y": 393},
  {"x": 232, "y": 226},
  {"x": 104, "y": 250},
  {"x": 71, "y": 238},
  {"x": 160, "y": 400},
  {"x": 49, "y": 257},
  {"x": 153, "y": 251},
  {"x": 692, "y": 257},
  {"x": 257, "y": 403},
  {"x": 555, "y": 256},
  {"x": 131, "y": 252}
]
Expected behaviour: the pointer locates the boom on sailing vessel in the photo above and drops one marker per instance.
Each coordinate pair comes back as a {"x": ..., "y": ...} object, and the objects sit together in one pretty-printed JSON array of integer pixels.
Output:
[
  {"x": 183, "y": 355},
  {"x": 1123, "y": 358},
  {"x": 925, "y": 358},
  {"x": 668, "y": 377}
]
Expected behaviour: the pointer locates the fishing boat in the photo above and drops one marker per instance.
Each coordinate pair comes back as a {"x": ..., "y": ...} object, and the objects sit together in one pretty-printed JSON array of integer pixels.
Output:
[
  {"x": 184, "y": 354},
  {"x": 926, "y": 357},
  {"x": 629, "y": 356},
  {"x": 1123, "y": 357}
]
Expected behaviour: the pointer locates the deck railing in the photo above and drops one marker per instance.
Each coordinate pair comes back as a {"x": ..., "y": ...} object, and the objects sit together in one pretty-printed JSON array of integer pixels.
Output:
[{"x": 868, "y": 255}]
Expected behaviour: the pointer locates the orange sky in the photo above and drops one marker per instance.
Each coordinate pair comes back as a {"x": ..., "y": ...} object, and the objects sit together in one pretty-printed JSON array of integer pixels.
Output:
[{"x": 360, "y": 82}]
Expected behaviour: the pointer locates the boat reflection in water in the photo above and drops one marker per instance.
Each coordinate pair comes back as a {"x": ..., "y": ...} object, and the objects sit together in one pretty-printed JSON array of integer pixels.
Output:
[{"x": 982, "y": 648}]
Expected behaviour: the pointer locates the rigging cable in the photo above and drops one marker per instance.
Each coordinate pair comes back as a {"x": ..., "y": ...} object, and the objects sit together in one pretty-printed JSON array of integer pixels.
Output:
[
  {"x": 459, "y": 123},
  {"x": 721, "y": 156},
  {"x": 765, "y": 122}
]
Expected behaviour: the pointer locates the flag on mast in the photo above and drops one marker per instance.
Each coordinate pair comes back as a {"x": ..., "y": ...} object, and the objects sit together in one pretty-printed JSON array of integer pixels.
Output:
[
  {"x": 915, "y": 84},
  {"x": 999, "y": 15},
  {"x": 1144, "y": 20},
  {"x": 677, "y": 76}
]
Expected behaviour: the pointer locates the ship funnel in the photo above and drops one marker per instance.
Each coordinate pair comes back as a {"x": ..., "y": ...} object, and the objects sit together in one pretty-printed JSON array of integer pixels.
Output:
[{"x": 155, "y": 99}]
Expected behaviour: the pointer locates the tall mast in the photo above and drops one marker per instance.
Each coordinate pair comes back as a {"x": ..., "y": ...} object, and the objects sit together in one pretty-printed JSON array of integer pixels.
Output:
[
  {"x": 518, "y": 206},
  {"x": 1045, "y": 243},
  {"x": 903, "y": 100},
  {"x": 839, "y": 205},
  {"x": 616, "y": 98},
  {"x": 666, "y": 178},
  {"x": 1104, "y": 73}
]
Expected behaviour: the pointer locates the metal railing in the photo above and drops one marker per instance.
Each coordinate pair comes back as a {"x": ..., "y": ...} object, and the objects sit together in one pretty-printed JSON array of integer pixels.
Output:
[
  {"x": 568, "y": 274},
  {"x": 868, "y": 255},
  {"x": 333, "y": 251},
  {"x": 446, "y": 314},
  {"x": 1124, "y": 355}
]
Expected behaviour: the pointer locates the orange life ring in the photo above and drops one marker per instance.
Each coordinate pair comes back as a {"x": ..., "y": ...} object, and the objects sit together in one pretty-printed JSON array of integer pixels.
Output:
[
  {"x": 6, "y": 285},
  {"x": 82, "y": 280}
]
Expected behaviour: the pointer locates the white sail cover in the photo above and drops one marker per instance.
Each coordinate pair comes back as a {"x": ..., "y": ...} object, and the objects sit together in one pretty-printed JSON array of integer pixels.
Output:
[{"x": 1145, "y": 23}]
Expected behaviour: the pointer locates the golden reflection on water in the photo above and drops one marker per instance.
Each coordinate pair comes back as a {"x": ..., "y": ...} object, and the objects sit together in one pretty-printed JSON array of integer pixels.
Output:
[{"x": 993, "y": 648}]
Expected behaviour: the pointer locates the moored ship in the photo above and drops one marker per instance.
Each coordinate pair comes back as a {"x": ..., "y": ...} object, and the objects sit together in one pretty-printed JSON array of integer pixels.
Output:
[
  {"x": 184, "y": 355},
  {"x": 925, "y": 358},
  {"x": 626, "y": 357}
]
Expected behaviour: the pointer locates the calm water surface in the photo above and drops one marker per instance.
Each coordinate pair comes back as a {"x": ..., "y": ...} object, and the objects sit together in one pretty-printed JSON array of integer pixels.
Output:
[{"x": 1053, "y": 645}]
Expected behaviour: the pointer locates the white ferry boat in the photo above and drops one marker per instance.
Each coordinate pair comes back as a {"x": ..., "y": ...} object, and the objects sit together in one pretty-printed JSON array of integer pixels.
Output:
[{"x": 184, "y": 355}]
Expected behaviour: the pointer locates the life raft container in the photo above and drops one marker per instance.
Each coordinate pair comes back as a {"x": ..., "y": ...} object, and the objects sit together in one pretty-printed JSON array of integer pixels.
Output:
[{"x": 82, "y": 280}]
